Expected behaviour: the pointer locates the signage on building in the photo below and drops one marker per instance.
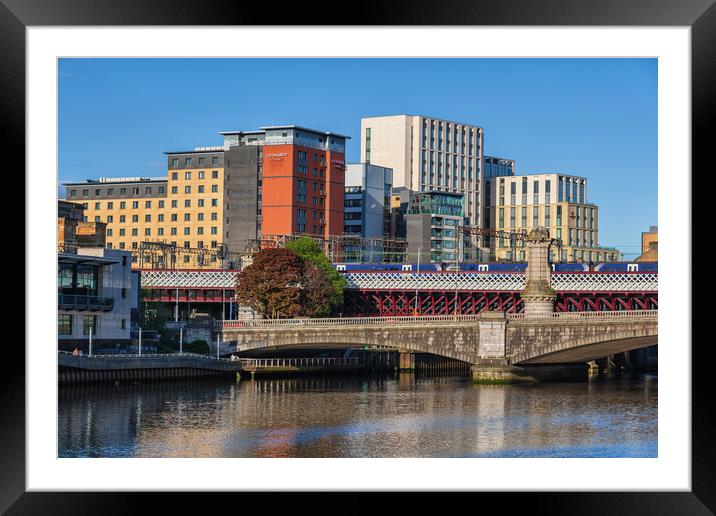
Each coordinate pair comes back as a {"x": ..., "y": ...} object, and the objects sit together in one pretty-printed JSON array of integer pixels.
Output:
[
  {"x": 277, "y": 156},
  {"x": 121, "y": 179},
  {"x": 212, "y": 148}
]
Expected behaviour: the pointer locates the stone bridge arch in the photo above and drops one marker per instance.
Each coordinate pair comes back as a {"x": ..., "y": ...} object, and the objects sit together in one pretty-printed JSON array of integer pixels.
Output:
[
  {"x": 572, "y": 342},
  {"x": 457, "y": 341}
]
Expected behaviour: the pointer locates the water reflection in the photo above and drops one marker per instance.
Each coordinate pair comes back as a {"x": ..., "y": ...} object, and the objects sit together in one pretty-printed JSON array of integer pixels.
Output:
[{"x": 401, "y": 416}]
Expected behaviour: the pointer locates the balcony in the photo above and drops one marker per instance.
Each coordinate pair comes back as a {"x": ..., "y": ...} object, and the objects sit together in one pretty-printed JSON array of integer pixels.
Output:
[{"x": 84, "y": 303}]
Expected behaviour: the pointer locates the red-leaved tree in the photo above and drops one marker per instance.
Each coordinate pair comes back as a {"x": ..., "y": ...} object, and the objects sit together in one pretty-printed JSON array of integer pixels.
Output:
[{"x": 271, "y": 285}]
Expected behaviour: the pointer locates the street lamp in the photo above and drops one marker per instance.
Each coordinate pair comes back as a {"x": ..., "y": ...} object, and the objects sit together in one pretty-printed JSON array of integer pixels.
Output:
[{"x": 417, "y": 280}]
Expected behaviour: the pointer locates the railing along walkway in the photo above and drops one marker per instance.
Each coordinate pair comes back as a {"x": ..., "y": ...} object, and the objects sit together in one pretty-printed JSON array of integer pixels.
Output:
[
  {"x": 419, "y": 320},
  {"x": 258, "y": 363},
  {"x": 105, "y": 356}
]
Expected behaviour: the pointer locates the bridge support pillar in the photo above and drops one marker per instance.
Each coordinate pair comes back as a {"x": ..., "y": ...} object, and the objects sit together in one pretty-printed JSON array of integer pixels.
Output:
[
  {"x": 407, "y": 361},
  {"x": 538, "y": 296}
]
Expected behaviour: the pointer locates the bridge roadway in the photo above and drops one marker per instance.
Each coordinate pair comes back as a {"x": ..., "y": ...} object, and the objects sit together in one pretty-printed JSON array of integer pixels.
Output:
[{"x": 498, "y": 345}]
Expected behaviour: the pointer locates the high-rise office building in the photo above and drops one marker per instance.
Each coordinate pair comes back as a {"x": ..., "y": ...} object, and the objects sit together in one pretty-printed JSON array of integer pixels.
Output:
[
  {"x": 431, "y": 221},
  {"x": 428, "y": 154},
  {"x": 555, "y": 201},
  {"x": 494, "y": 167},
  {"x": 367, "y": 200}
]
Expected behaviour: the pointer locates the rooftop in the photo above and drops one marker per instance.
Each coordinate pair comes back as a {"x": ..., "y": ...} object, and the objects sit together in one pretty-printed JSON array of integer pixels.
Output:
[
  {"x": 272, "y": 127},
  {"x": 115, "y": 180}
]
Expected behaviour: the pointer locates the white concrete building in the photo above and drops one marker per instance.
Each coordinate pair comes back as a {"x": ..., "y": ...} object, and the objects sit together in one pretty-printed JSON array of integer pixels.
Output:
[
  {"x": 96, "y": 291},
  {"x": 367, "y": 200},
  {"x": 428, "y": 154}
]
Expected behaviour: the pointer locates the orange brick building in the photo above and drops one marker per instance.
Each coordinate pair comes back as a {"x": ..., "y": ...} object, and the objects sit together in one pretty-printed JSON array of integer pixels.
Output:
[{"x": 293, "y": 177}]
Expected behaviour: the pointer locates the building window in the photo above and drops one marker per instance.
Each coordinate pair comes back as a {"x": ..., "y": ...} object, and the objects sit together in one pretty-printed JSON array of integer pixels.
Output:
[
  {"x": 215, "y": 174},
  {"x": 187, "y": 189},
  {"x": 135, "y": 205},
  {"x": 214, "y": 188},
  {"x": 89, "y": 322},
  {"x": 64, "y": 324},
  {"x": 214, "y": 160},
  {"x": 187, "y": 203},
  {"x": 214, "y": 230},
  {"x": 147, "y": 218},
  {"x": 135, "y": 218},
  {"x": 201, "y": 189},
  {"x": 187, "y": 216},
  {"x": 201, "y": 162},
  {"x": 174, "y": 203},
  {"x": 187, "y": 231},
  {"x": 175, "y": 176},
  {"x": 135, "y": 232},
  {"x": 187, "y": 175},
  {"x": 173, "y": 231},
  {"x": 175, "y": 163},
  {"x": 122, "y": 205},
  {"x": 187, "y": 162},
  {"x": 160, "y": 217},
  {"x": 73, "y": 193},
  {"x": 147, "y": 232}
]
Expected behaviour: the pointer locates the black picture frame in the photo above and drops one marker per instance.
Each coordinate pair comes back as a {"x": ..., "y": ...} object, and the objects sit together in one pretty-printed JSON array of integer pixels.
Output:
[{"x": 700, "y": 15}]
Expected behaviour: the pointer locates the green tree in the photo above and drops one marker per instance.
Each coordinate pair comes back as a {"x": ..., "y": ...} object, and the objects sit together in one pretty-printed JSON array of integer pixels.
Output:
[{"x": 309, "y": 250}]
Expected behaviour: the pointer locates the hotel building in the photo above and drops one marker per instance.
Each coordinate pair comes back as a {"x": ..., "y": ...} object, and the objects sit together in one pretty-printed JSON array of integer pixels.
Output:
[
  {"x": 279, "y": 180},
  {"x": 555, "y": 201}
]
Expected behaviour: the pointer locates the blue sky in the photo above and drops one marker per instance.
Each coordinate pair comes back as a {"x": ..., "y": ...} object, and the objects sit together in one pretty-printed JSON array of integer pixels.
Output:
[{"x": 589, "y": 117}]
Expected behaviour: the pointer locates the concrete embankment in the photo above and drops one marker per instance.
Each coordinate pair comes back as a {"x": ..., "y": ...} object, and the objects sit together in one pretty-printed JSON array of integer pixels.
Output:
[{"x": 74, "y": 369}]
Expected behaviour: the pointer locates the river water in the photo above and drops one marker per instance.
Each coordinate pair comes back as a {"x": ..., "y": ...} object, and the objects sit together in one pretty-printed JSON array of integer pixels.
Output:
[{"x": 389, "y": 416}]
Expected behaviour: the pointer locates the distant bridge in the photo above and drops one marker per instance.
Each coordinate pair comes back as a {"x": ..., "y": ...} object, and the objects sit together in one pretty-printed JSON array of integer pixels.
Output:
[{"x": 438, "y": 293}]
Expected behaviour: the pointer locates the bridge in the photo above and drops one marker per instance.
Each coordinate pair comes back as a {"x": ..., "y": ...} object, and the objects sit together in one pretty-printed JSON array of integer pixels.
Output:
[
  {"x": 398, "y": 293},
  {"x": 500, "y": 346}
]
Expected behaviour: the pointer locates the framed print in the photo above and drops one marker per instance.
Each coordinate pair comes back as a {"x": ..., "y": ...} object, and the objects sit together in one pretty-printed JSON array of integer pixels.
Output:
[{"x": 289, "y": 258}]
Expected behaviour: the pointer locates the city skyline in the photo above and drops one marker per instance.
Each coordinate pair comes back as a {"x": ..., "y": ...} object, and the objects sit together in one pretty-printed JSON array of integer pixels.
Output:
[{"x": 586, "y": 117}]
